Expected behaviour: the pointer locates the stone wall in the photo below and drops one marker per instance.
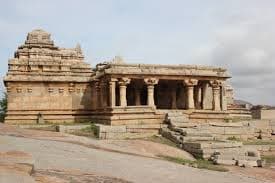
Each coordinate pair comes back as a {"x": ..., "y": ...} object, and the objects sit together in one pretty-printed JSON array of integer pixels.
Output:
[
  {"x": 56, "y": 102},
  {"x": 268, "y": 114}
]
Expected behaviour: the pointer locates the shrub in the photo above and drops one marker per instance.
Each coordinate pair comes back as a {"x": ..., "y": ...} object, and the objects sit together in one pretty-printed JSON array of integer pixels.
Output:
[{"x": 3, "y": 107}]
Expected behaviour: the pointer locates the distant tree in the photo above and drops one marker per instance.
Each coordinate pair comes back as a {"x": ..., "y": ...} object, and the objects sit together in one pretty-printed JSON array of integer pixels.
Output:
[{"x": 3, "y": 107}]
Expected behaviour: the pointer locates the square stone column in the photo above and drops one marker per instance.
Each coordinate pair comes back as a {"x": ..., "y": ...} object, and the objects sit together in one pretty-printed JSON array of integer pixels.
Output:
[
  {"x": 98, "y": 95},
  {"x": 216, "y": 85},
  {"x": 94, "y": 94},
  {"x": 137, "y": 96},
  {"x": 174, "y": 98},
  {"x": 204, "y": 94},
  {"x": 150, "y": 90},
  {"x": 112, "y": 92},
  {"x": 197, "y": 97},
  {"x": 223, "y": 98},
  {"x": 190, "y": 83},
  {"x": 103, "y": 96},
  {"x": 123, "y": 82},
  {"x": 216, "y": 99}
]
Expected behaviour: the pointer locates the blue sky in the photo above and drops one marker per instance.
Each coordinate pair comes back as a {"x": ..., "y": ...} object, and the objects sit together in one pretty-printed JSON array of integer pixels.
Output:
[{"x": 236, "y": 34}]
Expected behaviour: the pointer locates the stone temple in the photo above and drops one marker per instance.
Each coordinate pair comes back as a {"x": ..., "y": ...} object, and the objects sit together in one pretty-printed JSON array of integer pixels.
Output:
[
  {"x": 190, "y": 105},
  {"x": 46, "y": 83}
]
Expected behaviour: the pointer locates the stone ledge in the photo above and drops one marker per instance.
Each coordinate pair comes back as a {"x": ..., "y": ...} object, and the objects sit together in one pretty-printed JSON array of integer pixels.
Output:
[
  {"x": 70, "y": 128},
  {"x": 125, "y": 131}
]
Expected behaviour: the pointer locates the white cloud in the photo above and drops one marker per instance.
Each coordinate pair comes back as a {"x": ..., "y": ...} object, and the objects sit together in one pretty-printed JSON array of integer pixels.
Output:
[
  {"x": 247, "y": 50},
  {"x": 238, "y": 35}
]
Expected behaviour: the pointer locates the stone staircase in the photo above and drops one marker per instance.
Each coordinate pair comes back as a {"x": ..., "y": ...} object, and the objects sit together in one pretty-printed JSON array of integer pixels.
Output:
[{"x": 196, "y": 139}]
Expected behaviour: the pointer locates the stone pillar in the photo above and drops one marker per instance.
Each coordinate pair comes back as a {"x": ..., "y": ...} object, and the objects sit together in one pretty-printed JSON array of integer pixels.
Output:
[
  {"x": 204, "y": 94},
  {"x": 150, "y": 90},
  {"x": 190, "y": 97},
  {"x": 123, "y": 82},
  {"x": 216, "y": 99},
  {"x": 216, "y": 95},
  {"x": 98, "y": 95},
  {"x": 223, "y": 98},
  {"x": 190, "y": 83},
  {"x": 174, "y": 98},
  {"x": 197, "y": 97},
  {"x": 137, "y": 96},
  {"x": 103, "y": 98},
  {"x": 94, "y": 96},
  {"x": 112, "y": 92}
]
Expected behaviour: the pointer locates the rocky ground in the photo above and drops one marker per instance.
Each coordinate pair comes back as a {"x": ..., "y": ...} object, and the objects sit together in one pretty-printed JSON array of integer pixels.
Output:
[{"x": 39, "y": 156}]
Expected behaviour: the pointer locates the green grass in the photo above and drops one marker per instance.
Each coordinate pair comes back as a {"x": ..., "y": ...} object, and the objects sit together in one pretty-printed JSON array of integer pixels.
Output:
[
  {"x": 177, "y": 160},
  {"x": 76, "y": 123},
  {"x": 199, "y": 163},
  {"x": 51, "y": 128},
  {"x": 90, "y": 131},
  {"x": 161, "y": 140},
  {"x": 269, "y": 159},
  {"x": 233, "y": 138},
  {"x": 259, "y": 142},
  {"x": 240, "y": 119}
]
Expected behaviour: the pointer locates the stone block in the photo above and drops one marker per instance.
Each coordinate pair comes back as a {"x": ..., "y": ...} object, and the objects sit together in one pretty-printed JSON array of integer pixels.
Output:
[
  {"x": 70, "y": 128},
  {"x": 261, "y": 163},
  {"x": 111, "y": 129},
  {"x": 220, "y": 161},
  {"x": 245, "y": 163},
  {"x": 183, "y": 125},
  {"x": 222, "y": 124},
  {"x": 196, "y": 138},
  {"x": 253, "y": 153}
]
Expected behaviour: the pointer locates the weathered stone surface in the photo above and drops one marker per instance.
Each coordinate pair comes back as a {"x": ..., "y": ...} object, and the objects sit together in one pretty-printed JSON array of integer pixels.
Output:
[
  {"x": 201, "y": 141},
  {"x": 16, "y": 166},
  {"x": 224, "y": 162},
  {"x": 70, "y": 128},
  {"x": 112, "y": 129}
]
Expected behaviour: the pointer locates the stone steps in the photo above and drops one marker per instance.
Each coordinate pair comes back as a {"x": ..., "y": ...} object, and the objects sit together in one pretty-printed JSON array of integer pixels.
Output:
[
  {"x": 198, "y": 140},
  {"x": 183, "y": 125},
  {"x": 195, "y": 138},
  {"x": 242, "y": 157},
  {"x": 215, "y": 144},
  {"x": 206, "y": 150},
  {"x": 191, "y": 131}
]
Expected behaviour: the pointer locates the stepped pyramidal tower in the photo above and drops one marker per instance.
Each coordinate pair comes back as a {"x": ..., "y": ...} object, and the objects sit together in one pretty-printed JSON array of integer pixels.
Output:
[{"x": 45, "y": 81}]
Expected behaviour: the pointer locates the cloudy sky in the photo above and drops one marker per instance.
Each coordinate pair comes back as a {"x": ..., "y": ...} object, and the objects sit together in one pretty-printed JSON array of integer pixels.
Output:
[{"x": 236, "y": 34}]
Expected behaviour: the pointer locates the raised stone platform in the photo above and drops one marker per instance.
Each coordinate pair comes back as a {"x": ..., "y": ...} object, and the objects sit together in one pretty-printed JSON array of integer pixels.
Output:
[
  {"x": 130, "y": 115},
  {"x": 127, "y": 131}
]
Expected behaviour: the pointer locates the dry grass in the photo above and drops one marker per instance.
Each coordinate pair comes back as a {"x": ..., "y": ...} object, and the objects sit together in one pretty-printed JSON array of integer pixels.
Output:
[
  {"x": 199, "y": 163},
  {"x": 259, "y": 142},
  {"x": 161, "y": 140},
  {"x": 269, "y": 159},
  {"x": 90, "y": 131}
]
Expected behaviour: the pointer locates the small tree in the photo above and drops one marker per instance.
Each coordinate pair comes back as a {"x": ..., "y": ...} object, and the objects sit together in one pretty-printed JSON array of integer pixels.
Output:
[{"x": 3, "y": 107}]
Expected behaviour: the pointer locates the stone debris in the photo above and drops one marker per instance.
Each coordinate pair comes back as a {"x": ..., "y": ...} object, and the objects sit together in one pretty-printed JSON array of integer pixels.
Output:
[{"x": 198, "y": 140}]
